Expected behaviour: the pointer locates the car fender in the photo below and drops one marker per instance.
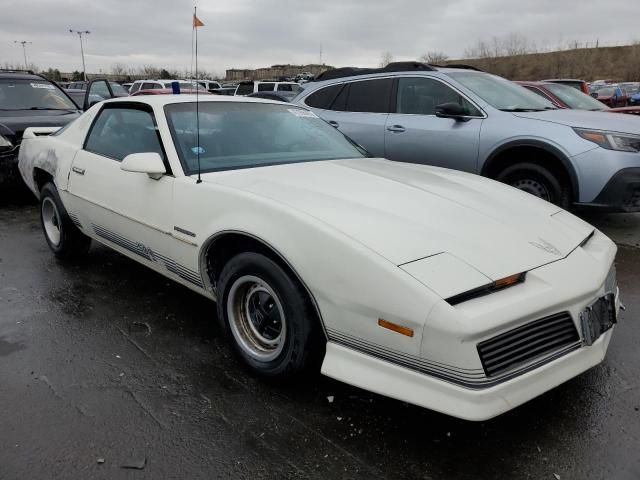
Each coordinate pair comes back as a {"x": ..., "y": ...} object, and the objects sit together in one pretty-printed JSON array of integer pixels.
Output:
[
  {"x": 545, "y": 144},
  {"x": 352, "y": 286}
]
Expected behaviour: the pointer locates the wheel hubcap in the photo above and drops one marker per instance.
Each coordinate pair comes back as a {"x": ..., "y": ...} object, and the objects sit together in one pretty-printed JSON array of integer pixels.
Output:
[
  {"x": 256, "y": 318},
  {"x": 51, "y": 221},
  {"x": 533, "y": 187}
]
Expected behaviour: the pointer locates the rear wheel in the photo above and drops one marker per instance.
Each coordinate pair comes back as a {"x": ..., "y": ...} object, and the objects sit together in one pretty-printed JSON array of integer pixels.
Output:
[
  {"x": 267, "y": 315},
  {"x": 63, "y": 237},
  {"x": 538, "y": 181}
]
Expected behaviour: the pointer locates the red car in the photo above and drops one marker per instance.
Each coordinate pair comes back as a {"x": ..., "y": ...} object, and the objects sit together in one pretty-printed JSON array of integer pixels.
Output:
[
  {"x": 612, "y": 95},
  {"x": 563, "y": 96},
  {"x": 571, "y": 82}
]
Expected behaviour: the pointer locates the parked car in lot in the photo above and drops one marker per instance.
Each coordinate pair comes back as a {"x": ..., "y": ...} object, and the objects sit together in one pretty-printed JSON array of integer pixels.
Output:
[
  {"x": 163, "y": 85},
  {"x": 208, "y": 84},
  {"x": 224, "y": 91},
  {"x": 477, "y": 122},
  {"x": 168, "y": 91},
  {"x": 612, "y": 96},
  {"x": 564, "y": 96},
  {"x": 117, "y": 89},
  {"x": 78, "y": 97},
  {"x": 287, "y": 89},
  {"x": 577, "y": 84},
  {"x": 270, "y": 96},
  {"x": 27, "y": 100},
  {"x": 432, "y": 286}
]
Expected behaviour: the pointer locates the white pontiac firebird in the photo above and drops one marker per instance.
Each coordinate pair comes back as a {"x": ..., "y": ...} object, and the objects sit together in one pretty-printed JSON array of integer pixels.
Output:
[{"x": 436, "y": 287}]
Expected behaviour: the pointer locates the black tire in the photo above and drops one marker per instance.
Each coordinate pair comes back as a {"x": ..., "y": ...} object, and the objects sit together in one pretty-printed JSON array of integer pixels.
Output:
[
  {"x": 70, "y": 242},
  {"x": 537, "y": 180},
  {"x": 299, "y": 345}
]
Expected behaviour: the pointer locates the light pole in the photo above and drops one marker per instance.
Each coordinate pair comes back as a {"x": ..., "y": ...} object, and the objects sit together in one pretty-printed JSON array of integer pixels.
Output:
[
  {"x": 24, "y": 51},
  {"x": 80, "y": 34}
]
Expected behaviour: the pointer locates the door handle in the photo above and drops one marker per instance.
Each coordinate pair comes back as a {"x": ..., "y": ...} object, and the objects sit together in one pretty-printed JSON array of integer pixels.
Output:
[
  {"x": 396, "y": 128},
  {"x": 79, "y": 171},
  {"x": 334, "y": 124}
]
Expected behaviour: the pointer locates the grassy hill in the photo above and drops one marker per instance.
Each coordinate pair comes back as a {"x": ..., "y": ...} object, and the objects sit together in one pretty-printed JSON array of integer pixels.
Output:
[{"x": 621, "y": 64}]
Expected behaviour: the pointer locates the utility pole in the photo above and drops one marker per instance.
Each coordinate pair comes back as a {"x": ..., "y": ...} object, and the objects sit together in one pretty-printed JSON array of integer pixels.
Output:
[
  {"x": 320, "y": 54},
  {"x": 80, "y": 34},
  {"x": 24, "y": 51}
]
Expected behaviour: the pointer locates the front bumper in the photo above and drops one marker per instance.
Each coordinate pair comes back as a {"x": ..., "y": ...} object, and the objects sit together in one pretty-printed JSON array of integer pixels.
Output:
[
  {"x": 9, "y": 173},
  {"x": 449, "y": 378},
  {"x": 407, "y": 385},
  {"x": 620, "y": 194}
]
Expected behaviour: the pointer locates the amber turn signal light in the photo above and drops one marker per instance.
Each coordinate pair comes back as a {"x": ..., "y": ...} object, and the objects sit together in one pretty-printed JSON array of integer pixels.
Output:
[
  {"x": 395, "y": 328},
  {"x": 508, "y": 281}
]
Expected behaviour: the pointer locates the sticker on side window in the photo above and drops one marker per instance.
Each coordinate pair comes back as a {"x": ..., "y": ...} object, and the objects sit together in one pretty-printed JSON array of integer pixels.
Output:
[
  {"x": 48, "y": 86},
  {"x": 299, "y": 112}
]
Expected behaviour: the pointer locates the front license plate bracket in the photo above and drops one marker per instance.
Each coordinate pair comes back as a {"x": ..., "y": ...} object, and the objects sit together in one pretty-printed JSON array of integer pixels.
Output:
[{"x": 597, "y": 318}]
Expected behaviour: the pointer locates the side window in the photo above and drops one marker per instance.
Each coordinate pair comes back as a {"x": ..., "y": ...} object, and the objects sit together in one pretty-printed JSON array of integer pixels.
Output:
[
  {"x": 369, "y": 96},
  {"x": 100, "y": 88},
  {"x": 150, "y": 86},
  {"x": 285, "y": 87},
  {"x": 245, "y": 88},
  {"x": 134, "y": 88},
  {"x": 117, "y": 132},
  {"x": 420, "y": 96},
  {"x": 266, "y": 87},
  {"x": 323, "y": 97}
]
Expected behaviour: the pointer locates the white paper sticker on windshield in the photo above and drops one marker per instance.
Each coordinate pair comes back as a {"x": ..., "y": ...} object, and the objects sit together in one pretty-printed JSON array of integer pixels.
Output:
[
  {"x": 299, "y": 112},
  {"x": 48, "y": 86}
]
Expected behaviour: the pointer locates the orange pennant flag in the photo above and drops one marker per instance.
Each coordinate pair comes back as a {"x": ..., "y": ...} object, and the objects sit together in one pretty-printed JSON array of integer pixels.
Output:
[{"x": 197, "y": 22}]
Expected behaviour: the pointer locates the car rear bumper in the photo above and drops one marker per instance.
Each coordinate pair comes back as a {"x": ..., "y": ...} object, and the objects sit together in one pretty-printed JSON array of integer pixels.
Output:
[{"x": 620, "y": 194}]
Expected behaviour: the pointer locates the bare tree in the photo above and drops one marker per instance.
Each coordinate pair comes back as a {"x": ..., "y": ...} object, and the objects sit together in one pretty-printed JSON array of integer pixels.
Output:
[
  {"x": 119, "y": 69},
  {"x": 385, "y": 59},
  {"x": 434, "y": 57}
]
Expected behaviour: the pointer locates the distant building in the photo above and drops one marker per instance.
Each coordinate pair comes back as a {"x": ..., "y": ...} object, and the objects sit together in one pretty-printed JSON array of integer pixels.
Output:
[{"x": 274, "y": 72}]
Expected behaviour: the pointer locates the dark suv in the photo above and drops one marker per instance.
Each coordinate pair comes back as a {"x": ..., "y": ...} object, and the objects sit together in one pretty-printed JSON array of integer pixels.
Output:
[{"x": 27, "y": 100}]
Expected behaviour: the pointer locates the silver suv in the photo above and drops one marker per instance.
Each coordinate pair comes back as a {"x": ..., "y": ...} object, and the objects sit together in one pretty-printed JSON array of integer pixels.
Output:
[{"x": 469, "y": 120}]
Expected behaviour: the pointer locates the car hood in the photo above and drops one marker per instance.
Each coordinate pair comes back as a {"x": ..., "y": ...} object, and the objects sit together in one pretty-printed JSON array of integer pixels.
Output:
[
  {"x": 406, "y": 212},
  {"x": 586, "y": 119},
  {"x": 18, "y": 121}
]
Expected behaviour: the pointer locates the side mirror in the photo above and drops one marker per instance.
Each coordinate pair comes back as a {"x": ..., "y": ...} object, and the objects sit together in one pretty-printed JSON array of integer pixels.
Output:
[
  {"x": 148, "y": 162},
  {"x": 451, "y": 110}
]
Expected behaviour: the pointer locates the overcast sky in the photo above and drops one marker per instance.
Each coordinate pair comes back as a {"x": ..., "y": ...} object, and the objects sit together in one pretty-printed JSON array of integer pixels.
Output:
[{"x": 254, "y": 33}]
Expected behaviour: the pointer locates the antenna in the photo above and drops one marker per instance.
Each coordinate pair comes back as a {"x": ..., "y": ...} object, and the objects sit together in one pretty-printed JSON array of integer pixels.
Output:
[{"x": 195, "y": 26}]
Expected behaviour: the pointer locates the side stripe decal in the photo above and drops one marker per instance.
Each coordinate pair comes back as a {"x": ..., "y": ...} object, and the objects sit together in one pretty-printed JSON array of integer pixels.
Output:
[{"x": 147, "y": 253}]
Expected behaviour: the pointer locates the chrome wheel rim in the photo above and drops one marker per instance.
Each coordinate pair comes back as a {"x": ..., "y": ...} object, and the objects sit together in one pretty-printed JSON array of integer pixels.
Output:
[
  {"x": 256, "y": 318},
  {"x": 533, "y": 187},
  {"x": 51, "y": 221}
]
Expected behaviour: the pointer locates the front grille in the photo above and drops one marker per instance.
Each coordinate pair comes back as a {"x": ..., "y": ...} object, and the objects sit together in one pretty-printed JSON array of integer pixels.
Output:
[{"x": 525, "y": 344}]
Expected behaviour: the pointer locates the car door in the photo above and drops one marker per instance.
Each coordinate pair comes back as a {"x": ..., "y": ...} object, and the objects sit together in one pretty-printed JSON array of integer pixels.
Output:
[
  {"x": 360, "y": 111},
  {"x": 413, "y": 133},
  {"x": 127, "y": 209}
]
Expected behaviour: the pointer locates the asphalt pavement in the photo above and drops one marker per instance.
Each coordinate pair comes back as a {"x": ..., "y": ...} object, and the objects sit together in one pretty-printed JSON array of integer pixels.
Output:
[{"x": 108, "y": 370}]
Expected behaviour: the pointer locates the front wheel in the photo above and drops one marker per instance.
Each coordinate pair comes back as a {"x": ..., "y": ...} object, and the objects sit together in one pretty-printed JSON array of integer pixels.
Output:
[
  {"x": 63, "y": 237},
  {"x": 538, "y": 181},
  {"x": 267, "y": 315}
]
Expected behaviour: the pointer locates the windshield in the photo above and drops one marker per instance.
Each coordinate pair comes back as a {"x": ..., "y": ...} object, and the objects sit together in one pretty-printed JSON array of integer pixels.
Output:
[
  {"x": 502, "y": 94},
  {"x": 32, "y": 95},
  {"x": 244, "y": 135},
  {"x": 574, "y": 98}
]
